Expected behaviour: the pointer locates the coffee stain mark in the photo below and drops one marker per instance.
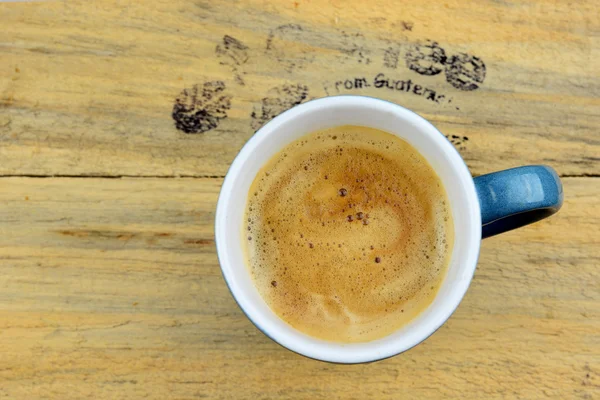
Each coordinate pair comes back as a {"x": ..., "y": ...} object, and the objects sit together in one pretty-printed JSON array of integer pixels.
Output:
[
  {"x": 201, "y": 242},
  {"x": 79, "y": 234},
  {"x": 284, "y": 44},
  {"x": 390, "y": 57},
  {"x": 93, "y": 235},
  {"x": 278, "y": 100},
  {"x": 589, "y": 377},
  {"x": 407, "y": 25},
  {"x": 426, "y": 59},
  {"x": 163, "y": 234},
  {"x": 465, "y": 72},
  {"x": 41, "y": 50},
  {"x": 123, "y": 236},
  {"x": 355, "y": 47},
  {"x": 233, "y": 53},
  {"x": 155, "y": 237},
  {"x": 377, "y": 20},
  {"x": 6, "y": 125},
  {"x": 7, "y": 101},
  {"x": 402, "y": 25},
  {"x": 201, "y": 108}
]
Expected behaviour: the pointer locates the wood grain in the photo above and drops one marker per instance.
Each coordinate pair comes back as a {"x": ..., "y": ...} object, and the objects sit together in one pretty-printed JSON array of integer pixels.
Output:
[
  {"x": 110, "y": 288},
  {"x": 109, "y": 282},
  {"x": 89, "y": 88}
]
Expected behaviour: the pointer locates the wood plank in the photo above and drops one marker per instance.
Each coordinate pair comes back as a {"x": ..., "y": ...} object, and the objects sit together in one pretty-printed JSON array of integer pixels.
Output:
[
  {"x": 89, "y": 88},
  {"x": 110, "y": 288}
]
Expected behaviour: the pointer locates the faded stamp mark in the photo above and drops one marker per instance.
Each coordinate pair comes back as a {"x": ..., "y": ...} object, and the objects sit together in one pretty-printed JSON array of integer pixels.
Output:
[
  {"x": 278, "y": 100},
  {"x": 390, "y": 57},
  {"x": 354, "y": 46},
  {"x": 234, "y": 54},
  {"x": 200, "y": 108},
  {"x": 463, "y": 71},
  {"x": 426, "y": 59},
  {"x": 279, "y": 45}
]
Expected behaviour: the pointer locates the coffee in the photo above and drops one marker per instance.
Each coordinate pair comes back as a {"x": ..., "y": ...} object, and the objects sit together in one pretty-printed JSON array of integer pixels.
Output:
[{"x": 348, "y": 234}]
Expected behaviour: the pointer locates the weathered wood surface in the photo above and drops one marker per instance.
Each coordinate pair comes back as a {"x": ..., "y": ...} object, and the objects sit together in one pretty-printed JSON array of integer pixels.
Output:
[
  {"x": 89, "y": 88},
  {"x": 110, "y": 288}
]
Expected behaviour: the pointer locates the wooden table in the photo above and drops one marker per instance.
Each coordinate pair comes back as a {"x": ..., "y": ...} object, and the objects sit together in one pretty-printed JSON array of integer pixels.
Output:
[{"x": 118, "y": 121}]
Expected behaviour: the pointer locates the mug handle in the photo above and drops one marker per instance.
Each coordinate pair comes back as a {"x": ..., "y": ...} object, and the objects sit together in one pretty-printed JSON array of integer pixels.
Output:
[{"x": 517, "y": 197}]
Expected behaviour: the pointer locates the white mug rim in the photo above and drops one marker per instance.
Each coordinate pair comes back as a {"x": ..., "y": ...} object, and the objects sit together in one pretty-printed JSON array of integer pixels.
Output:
[{"x": 221, "y": 214}]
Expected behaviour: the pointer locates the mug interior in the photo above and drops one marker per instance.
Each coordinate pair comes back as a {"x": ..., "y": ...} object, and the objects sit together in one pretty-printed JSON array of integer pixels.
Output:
[{"x": 326, "y": 113}]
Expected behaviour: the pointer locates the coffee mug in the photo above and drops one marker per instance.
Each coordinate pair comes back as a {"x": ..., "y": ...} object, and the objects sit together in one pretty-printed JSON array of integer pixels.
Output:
[{"x": 481, "y": 207}]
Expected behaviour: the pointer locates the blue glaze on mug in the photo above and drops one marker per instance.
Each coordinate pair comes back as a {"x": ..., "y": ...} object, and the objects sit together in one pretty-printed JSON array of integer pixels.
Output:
[{"x": 516, "y": 197}]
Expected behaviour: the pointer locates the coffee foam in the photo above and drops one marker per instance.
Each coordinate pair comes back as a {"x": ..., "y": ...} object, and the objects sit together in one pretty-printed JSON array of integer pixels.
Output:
[{"x": 348, "y": 234}]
